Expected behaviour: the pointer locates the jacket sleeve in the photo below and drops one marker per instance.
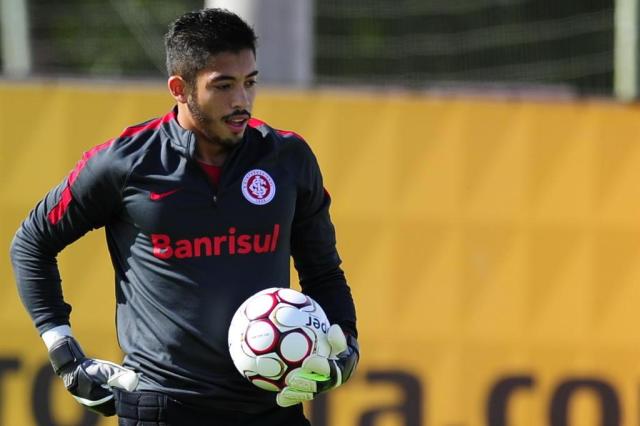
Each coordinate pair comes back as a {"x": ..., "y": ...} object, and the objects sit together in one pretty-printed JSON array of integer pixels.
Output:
[
  {"x": 85, "y": 200},
  {"x": 313, "y": 247}
]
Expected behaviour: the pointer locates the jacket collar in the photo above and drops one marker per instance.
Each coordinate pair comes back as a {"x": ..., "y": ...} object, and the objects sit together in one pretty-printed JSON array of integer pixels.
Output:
[{"x": 183, "y": 140}]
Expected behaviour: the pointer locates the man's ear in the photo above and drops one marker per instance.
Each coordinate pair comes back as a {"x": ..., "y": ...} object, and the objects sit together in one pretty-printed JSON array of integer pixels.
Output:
[{"x": 178, "y": 88}]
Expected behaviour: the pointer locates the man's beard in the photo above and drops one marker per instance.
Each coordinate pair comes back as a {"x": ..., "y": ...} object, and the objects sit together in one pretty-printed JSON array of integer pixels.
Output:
[{"x": 205, "y": 123}]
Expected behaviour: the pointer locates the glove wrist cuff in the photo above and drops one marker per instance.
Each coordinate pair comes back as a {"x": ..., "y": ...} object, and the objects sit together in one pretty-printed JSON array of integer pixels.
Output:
[
  {"x": 65, "y": 352},
  {"x": 352, "y": 342}
]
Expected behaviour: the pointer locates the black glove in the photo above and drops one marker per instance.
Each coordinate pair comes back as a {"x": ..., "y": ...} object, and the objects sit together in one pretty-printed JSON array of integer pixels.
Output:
[
  {"x": 320, "y": 374},
  {"x": 89, "y": 380}
]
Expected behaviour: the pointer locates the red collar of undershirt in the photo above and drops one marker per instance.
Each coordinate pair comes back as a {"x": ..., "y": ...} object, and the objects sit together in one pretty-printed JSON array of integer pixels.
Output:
[{"x": 213, "y": 172}]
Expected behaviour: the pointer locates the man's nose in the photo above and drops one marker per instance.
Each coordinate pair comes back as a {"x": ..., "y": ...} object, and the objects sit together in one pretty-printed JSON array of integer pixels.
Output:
[{"x": 241, "y": 99}]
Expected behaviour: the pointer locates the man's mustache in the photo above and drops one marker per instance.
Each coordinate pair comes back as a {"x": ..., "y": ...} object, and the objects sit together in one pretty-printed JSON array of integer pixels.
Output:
[{"x": 238, "y": 113}]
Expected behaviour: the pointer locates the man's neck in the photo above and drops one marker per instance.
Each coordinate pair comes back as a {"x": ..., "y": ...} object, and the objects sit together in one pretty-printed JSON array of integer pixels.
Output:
[
  {"x": 206, "y": 151},
  {"x": 210, "y": 153}
]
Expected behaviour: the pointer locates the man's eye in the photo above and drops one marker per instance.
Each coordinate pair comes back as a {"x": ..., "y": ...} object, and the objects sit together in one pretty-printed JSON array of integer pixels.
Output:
[
  {"x": 223, "y": 87},
  {"x": 251, "y": 83}
]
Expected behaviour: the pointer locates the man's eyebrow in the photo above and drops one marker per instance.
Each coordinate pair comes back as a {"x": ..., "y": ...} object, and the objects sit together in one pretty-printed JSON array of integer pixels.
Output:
[{"x": 230, "y": 77}]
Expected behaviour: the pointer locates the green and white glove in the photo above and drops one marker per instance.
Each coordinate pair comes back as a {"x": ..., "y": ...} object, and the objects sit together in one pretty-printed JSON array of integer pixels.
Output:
[
  {"x": 318, "y": 373},
  {"x": 88, "y": 380}
]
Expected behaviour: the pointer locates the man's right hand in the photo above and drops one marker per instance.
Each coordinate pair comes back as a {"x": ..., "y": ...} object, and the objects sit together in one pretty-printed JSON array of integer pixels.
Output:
[
  {"x": 320, "y": 374},
  {"x": 89, "y": 380}
]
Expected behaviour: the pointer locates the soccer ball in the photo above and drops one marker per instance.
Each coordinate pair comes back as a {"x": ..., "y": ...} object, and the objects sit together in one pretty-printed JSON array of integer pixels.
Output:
[{"x": 273, "y": 332}]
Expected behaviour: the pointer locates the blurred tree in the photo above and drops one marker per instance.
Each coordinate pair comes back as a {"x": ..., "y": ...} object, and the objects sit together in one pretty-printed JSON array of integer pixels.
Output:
[
  {"x": 420, "y": 43},
  {"x": 112, "y": 38}
]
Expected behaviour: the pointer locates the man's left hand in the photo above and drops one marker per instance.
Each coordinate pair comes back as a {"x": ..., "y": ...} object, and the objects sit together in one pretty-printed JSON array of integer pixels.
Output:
[{"x": 320, "y": 374}]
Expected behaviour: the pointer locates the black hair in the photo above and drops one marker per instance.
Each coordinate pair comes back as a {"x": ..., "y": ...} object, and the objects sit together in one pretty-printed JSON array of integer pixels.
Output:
[{"x": 195, "y": 36}]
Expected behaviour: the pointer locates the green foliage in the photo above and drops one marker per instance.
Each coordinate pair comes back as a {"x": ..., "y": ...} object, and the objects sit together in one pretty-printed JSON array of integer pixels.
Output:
[{"x": 102, "y": 38}]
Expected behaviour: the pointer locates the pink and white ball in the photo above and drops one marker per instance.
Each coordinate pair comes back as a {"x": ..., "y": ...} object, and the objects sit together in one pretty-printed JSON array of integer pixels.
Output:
[{"x": 272, "y": 333}]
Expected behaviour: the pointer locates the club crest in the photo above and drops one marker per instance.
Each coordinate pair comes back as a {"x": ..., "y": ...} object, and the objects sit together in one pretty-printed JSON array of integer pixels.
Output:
[{"x": 258, "y": 187}]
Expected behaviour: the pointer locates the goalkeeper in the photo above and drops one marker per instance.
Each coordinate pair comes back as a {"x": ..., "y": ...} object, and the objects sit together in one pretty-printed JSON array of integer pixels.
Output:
[{"x": 202, "y": 208}]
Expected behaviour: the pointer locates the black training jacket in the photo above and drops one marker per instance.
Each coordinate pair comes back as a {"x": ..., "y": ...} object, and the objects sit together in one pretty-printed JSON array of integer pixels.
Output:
[{"x": 187, "y": 254}]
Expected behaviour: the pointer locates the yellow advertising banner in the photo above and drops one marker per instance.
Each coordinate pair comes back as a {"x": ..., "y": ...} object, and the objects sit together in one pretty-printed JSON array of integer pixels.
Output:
[{"x": 492, "y": 246}]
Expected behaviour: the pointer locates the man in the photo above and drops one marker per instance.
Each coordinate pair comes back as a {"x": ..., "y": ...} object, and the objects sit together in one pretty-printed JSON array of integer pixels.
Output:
[{"x": 172, "y": 193}]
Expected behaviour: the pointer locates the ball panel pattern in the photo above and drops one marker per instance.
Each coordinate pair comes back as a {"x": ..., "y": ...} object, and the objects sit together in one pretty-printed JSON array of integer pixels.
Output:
[
  {"x": 261, "y": 306},
  {"x": 266, "y": 384},
  {"x": 292, "y": 297},
  {"x": 295, "y": 346},
  {"x": 267, "y": 366},
  {"x": 262, "y": 336},
  {"x": 289, "y": 316}
]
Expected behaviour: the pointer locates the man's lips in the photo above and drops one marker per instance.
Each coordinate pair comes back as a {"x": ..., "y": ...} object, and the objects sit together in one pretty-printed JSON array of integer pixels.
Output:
[{"x": 237, "y": 122}]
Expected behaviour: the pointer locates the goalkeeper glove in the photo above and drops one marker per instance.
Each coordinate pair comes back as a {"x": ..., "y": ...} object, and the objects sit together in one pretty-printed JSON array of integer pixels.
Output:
[
  {"x": 89, "y": 380},
  {"x": 320, "y": 374}
]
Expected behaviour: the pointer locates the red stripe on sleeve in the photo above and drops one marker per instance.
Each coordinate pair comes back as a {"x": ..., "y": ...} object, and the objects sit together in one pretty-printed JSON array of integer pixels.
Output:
[
  {"x": 153, "y": 124},
  {"x": 58, "y": 211},
  {"x": 287, "y": 133},
  {"x": 255, "y": 123}
]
